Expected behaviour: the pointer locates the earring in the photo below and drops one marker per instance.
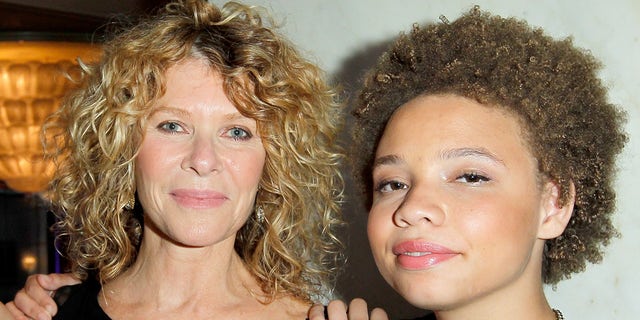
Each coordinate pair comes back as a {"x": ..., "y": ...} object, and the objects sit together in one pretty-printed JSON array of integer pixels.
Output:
[
  {"x": 130, "y": 204},
  {"x": 260, "y": 215}
]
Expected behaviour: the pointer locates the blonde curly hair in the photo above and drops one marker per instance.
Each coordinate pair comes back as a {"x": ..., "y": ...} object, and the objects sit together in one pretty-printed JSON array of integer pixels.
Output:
[
  {"x": 551, "y": 86},
  {"x": 98, "y": 131}
]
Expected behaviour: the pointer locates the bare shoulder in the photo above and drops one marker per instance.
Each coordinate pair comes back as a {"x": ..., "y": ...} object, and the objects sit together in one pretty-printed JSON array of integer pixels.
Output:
[
  {"x": 285, "y": 308},
  {"x": 290, "y": 308}
]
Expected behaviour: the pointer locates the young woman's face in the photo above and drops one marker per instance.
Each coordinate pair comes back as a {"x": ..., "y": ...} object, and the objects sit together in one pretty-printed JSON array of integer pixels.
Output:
[
  {"x": 200, "y": 161},
  {"x": 456, "y": 205}
]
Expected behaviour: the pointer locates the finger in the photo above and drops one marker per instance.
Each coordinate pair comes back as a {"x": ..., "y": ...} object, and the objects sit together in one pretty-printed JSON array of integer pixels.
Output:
[
  {"x": 34, "y": 301},
  {"x": 55, "y": 281},
  {"x": 15, "y": 313},
  {"x": 316, "y": 312},
  {"x": 19, "y": 314},
  {"x": 5, "y": 313},
  {"x": 358, "y": 310},
  {"x": 337, "y": 310},
  {"x": 379, "y": 314}
]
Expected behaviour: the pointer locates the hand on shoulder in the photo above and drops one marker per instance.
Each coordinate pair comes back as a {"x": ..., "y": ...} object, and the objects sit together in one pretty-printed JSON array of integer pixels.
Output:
[
  {"x": 338, "y": 310},
  {"x": 35, "y": 299}
]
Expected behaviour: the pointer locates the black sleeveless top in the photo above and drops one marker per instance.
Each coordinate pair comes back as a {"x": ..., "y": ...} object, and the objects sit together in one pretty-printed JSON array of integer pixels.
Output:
[
  {"x": 430, "y": 316},
  {"x": 81, "y": 302}
]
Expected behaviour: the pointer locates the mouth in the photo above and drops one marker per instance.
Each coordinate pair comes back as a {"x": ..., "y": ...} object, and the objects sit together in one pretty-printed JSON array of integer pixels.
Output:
[
  {"x": 416, "y": 254},
  {"x": 198, "y": 199},
  {"x": 419, "y": 255}
]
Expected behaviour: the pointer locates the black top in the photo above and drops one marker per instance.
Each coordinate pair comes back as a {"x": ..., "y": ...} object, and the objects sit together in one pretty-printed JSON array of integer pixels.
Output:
[
  {"x": 82, "y": 303},
  {"x": 430, "y": 316}
]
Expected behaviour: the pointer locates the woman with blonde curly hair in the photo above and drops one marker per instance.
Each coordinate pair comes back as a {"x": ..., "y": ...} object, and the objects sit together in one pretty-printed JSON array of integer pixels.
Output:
[
  {"x": 487, "y": 150},
  {"x": 198, "y": 175}
]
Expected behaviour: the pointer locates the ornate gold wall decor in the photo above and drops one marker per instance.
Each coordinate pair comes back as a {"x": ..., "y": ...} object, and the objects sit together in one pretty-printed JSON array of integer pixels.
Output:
[{"x": 34, "y": 77}]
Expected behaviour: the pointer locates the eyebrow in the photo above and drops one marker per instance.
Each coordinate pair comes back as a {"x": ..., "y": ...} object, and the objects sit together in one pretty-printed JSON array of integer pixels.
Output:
[
  {"x": 470, "y": 152},
  {"x": 236, "y": 116},
  {"x": 185, "y": 113},
  {"x": 386, "y": 160},
  {"x": 176, "y": 111},
  {"x": 446, "y": 155}
]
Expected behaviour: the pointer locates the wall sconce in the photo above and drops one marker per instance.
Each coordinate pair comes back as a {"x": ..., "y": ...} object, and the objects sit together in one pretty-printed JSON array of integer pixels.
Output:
[
  {"x": 33, "y": 80},
  {"x": 29, "y": 262}
]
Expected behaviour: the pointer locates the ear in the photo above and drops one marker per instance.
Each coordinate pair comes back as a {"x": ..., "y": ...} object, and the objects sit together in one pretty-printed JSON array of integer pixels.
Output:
[{"x": 554, "y": 216}]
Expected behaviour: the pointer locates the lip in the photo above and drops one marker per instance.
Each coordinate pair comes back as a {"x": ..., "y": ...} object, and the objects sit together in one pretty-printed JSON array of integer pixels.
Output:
[
  {"x": 419, "y": 254},
  {"x": 198, "y": 198}
]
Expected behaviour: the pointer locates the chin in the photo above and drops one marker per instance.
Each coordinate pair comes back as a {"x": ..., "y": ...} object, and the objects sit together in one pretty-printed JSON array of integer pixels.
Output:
[
  {"x": 197, "y": 238},
  {"x": 424, "y": 293},
  {"x": 426, "y": 303}
]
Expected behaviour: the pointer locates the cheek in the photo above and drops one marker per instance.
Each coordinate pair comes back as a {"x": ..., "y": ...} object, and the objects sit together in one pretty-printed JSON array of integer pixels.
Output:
[
  {"x": 247, "y": 167},
  {"x": 150, "y": 166},
  {"x": 155, "y": 165},
  {"x": 506, "y": 226},
  {"x": 378, "y": 230}
]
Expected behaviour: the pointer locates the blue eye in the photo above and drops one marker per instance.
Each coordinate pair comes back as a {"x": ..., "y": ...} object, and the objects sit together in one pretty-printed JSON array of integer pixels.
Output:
[
  {"x": 171, "y": 127},
  {"x": 472, "y": 178},
  {"x": 389, "y": 186},
  {"x": 239, "y": 134}
]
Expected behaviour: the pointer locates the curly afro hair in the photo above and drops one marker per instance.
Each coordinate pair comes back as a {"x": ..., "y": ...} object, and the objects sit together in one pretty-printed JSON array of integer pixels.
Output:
[{"x": 549, "y": 85}]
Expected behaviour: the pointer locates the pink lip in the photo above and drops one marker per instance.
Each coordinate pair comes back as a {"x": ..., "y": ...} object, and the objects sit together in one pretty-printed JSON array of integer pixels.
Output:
[
  {"x": 417, "y": 255},
  {"x": 198, "y": 199}
]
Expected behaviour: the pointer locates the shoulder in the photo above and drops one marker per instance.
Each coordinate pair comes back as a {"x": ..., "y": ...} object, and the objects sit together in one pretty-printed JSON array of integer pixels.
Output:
[{"x": 286, "y": 307}]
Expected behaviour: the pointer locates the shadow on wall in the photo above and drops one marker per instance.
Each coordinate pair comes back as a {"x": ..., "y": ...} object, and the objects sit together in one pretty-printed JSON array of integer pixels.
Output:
[{"x": 360, "y": 277}]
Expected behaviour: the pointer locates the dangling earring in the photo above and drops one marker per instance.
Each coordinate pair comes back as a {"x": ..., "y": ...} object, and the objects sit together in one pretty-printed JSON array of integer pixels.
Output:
[
  {"x": 130, "y": 204},
  {"x": 260, "y": 215}
]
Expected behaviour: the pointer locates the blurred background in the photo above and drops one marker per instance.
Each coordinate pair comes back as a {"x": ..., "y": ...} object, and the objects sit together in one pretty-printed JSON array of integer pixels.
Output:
[
  {"x": 39, "y": 43},
  {"x": 344, "y": 37}
]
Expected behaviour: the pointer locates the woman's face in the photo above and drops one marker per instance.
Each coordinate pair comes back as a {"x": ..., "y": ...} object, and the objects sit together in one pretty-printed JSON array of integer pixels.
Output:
[
  {"x": 456, "y": 205},
  {"x": 200, "y": 161}
]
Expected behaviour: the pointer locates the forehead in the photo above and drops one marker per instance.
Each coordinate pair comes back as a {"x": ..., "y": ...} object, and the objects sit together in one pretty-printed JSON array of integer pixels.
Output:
[
  {"x": 192, "y": 83},
  {"x": 450, "y": 121}
]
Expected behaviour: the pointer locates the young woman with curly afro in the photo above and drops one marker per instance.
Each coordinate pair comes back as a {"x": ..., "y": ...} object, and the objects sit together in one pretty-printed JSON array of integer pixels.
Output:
[{"x": 487, "y": 152}]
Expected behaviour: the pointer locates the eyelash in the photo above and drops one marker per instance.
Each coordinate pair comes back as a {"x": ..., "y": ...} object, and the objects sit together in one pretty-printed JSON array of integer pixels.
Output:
[
  {"x": 472, "y": 178},
  {"x": 163, "y": 127},
  {"x": 397, "y": 185},
  {"x": 247, "y": 133}
]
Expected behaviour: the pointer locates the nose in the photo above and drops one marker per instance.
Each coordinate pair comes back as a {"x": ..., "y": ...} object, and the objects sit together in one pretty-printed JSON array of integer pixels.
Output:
[
  {"x": 420, "y": 205},
  {"x": 202, "y": 156}
]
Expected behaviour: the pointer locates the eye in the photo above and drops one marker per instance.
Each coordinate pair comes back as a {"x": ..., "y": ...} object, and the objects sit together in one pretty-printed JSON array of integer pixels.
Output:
[
  {"x": 472, "y": 178},
  {"x": 171, "y": 127},
  {"x": 390, "y": 186},
  {"x": 237, "y": 133}
]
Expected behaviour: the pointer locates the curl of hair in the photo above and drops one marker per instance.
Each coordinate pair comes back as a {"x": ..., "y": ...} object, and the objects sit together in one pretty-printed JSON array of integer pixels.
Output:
[
  {"x": 549, "y": 85},
  {"x": 100, "y": 126}
]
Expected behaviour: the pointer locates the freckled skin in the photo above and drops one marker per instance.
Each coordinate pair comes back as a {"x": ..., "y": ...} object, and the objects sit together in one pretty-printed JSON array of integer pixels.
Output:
[
  {"x": 461, "y": 176},
  {"x": 197, "y": 140}
]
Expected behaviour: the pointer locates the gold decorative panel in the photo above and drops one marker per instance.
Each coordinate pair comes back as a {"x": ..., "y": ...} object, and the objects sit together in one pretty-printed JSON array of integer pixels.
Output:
[{"x": 34, "y": 76}]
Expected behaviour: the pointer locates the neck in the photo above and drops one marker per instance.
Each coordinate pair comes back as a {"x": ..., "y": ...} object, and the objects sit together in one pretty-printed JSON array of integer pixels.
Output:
[
  {"x": 522, "y": 298},
  {"x": 523, "y": 307},
  {"x": 172, "y": 281},
  {"x": 167, "y": 274}
]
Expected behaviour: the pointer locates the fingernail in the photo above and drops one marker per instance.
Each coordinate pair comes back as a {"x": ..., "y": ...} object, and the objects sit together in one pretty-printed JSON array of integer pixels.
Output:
[
  {"x": 43, "y": 316},
  {"x": 49, "y": 309}
]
